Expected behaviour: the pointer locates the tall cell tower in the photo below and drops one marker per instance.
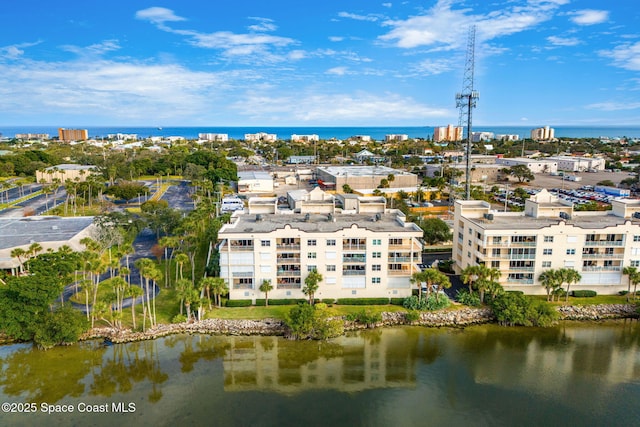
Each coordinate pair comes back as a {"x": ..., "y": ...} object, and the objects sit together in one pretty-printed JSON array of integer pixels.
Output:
[{"x": 466, "y": 101}]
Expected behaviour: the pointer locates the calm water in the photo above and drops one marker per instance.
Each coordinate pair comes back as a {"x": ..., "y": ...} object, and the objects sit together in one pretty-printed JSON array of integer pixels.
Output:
[
  {"x": 376, "y": 132},
  {"x": 575, "y": 374}
]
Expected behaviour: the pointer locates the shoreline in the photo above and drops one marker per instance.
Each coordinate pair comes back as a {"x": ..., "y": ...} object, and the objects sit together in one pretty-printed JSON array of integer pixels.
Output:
[{"x": 275, "y": 327}]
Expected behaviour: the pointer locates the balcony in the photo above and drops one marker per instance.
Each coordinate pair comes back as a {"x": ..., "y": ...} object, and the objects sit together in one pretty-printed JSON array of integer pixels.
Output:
[
  {"x": 353, "y": 247},
  {"x": 288, "y": 246},
  {"x": 403, "y": 272},
  {"x": 519, "y": 281},
  {"x": 354, "y": 272},
  {"x": 292, "y": 260},
  {"x": 400, "y": 259},
  {"x": 243, "y": 286},
  {"x": 354, "y": 259},
  {"x": 240, "y": 248},
  {"x": 602, "y": 268},
  {"x": 604, "y": 243},
  {"x": 288, "y": 286},
  {"x": 288, "y": 273},
  {"x": 603, "y": 256},
  {"x": 528, "y": 269}
]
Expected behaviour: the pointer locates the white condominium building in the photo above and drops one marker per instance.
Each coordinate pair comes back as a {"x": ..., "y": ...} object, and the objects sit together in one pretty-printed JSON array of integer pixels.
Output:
[
  {"x": 549, "y": 234},
  {"x": 260, "y": 136},
  {"x": 545, "y": 133},
  {"x": 447, "y": 133},
  {"x": 372, "y": 253},
  {"x": 221, "y": 137},
  {"x": 305, "y": 138}
]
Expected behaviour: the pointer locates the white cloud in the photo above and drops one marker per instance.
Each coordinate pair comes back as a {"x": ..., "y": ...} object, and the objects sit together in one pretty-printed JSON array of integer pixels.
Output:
[
  {"x": 589, "y": 17},
  {"x": 563, "y": 41},
  {"x": 387, "y": 4},
  {"x": 444, "y": 28},
  {"x": 434, "y": 66},
  {"x": 254, "y": 47},
  {"x": 625, "y": 56},
  {"x": 369, "y": 17},
  {"x": 263, "y": 25},
  {"x": 15, "y": 51},
  {"x": 158, "y": 15},
  {"x": 94, "y": 49},
  {"x": 336, "y": 39},
  {"x": 360, "y": 107},
  {"x": 338, "y": 71},
  {"x": 614, "y": 106}
]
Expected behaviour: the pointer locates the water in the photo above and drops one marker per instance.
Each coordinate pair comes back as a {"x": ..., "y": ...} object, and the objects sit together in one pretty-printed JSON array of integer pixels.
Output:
[
  {"x": 575, "y": 374},
  {"x": 377, "y": 133}
]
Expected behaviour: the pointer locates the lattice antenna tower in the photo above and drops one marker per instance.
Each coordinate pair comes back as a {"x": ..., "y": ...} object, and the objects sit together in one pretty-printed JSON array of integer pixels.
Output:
[{"x": 466, "y": 101}]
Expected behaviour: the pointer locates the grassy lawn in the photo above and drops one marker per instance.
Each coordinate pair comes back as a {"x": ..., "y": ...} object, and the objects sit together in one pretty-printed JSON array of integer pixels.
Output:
[{"x": 598, "y": 299}]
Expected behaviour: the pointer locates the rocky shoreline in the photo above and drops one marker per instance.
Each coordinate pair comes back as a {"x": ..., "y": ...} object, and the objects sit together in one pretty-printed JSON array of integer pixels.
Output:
[{"x": 457, "y": 318}]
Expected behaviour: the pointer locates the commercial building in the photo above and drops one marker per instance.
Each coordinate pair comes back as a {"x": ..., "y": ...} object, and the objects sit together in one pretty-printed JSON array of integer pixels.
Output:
[
  {"x": 255, "y": 182},
  {"x": 260, "y": 137},
  {"x": 64, "y": 172},
  {"x": 48, "y": 231},
  {"x": 371, "y": 253},
  {"x": 220, "y": 137},
  {"x": 68, "y": 135},
  {"x": 363, "y": 177},
  {"x": 549, "y": 234},
  {"x": 479, "y": 172},
  {"x": 482, "y": 136},
  {"x": 534, "y": 165},
  {"x": 32, "y": 136},
  {"x": 396, "y": 137},
  {"x": 579, "y": 164},
  {"x": 448, "y": 133},
  {"x": 305, "y": 138},
  {"x": 507, "y": 137},
  {"x": 545, "y": 133}
]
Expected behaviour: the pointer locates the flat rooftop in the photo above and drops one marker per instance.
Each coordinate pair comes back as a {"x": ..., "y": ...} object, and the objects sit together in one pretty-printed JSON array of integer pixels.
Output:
[
  {"x": 316, "y": 223},
  {"x": 522, "y": 222},
  {"x": 355, "y": 171},
  {"x": 254, "y": 175},
  {"x": 16, "y": 232}
]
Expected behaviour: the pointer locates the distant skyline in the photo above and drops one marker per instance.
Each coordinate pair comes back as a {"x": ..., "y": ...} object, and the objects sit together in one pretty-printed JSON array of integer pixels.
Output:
[{"x": 331, "y": 63}]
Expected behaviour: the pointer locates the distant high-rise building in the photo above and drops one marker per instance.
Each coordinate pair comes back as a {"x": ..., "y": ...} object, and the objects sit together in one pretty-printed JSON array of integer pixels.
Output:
[
  {"x": 73, "y": 134},
  {"x": 221, "y": 137},
  {"x": 545, "y": 133},
  {"x": 447, "y": 133}
]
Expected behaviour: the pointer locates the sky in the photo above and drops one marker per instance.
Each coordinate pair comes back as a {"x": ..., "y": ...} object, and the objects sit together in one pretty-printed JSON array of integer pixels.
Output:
[{"x": 317, "y": 63}]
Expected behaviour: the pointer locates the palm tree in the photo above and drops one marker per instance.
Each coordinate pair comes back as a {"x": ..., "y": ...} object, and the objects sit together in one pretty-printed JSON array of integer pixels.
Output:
[
  {"x": 266, "y": 287},
  {"x": 569, "y": 276},
  {"x": 219, "y": 288},
  {"x": 479, "y": 276},
  {"x": 469, "y": 276},
  {"x": 19, "y": 253},
  {"x": 311, "y": 284},
  {"x": 182, "y": 288},
  {"x": 134, "y": 292},
  {"x": 634, "y": 278},
  {"x": 206, "y": 283},
  {"x": 550, "y": 279}
]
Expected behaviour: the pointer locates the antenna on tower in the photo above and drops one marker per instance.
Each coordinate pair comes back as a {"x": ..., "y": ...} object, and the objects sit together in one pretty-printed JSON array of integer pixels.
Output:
[{"x": 466, "y": 101}]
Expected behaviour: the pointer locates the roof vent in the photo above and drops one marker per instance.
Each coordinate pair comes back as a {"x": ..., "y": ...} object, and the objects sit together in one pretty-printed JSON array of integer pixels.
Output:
[
  {"x": 564, "y": 215},
  {"x": 258, "y": 218},
  {"x": 307, "y": 217}
]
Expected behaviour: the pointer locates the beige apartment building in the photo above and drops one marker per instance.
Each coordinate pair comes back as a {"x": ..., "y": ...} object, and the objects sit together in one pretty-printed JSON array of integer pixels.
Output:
[
  {"x": 64, "y": 172},
  {"x": 371, "y": 253},
  {"x": 68, "y": 135},
  {"x": 549, "y": 234},
  {"x": 447, "y": 133}
]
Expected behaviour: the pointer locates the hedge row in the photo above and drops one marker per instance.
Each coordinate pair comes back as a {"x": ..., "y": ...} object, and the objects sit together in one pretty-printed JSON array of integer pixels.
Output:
[
  {"x": 238, "y": 303},
  {"x": 396, "y": 301},
  {"x": 363, "y": 301},
  {"x": 583, "y": 294},
  {"x": 284, "y": 301}
]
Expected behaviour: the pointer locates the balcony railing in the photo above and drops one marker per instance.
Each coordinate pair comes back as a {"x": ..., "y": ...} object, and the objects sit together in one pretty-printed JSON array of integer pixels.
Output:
[
  {"x": 288, "y": 286},
  {"x": 288, "y": 273},
  {"x": 354, "y": 272},
  {"x": 234, "y": 248},
  {"x": 242, "y": 286},
  {"x": 294, "y": 260},
  {"x": 602, "y": 256},
  {"x": 602, "y": 268},
  {"x": 521, "y": 268},
  {"x": 520, "y": 281},
  {"x": 353, "y": 259},
  {"x": 400, "y": 259},
  {"x": 399, "y": 272},
  {"x": 288, "y": 246},
  {"x": 351, "y": 247},
  {"x": 604, "y": 243}
]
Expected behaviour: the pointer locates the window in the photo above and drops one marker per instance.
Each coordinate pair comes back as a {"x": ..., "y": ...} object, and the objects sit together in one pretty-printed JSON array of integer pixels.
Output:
[
  {"x": 636, "y": 238},
  {"x": 376, "y": 255},
  {"x": 331, "y": 267},
  {"x": 395, "y": 242},
  {"x": 571, "y": 251},
  {"x": 377, "y": 242},
  {"x": 546, "y": 264},
  {"x": 548, "y": 239},
  {"x": 376, "y": 267},
  {"x": 547, "y": 252},
  {"x": 470, "y": 231},
  {"x": 635, "y": 263},
  {"x": 265, "y": 243},
  {"x": 331, "y": 242},
  {"x": 354, "y": 292},
  {"x": 310, "y": 268},
  {"x": 311, "y": 255},
  {"x": 375, "y": 280},
  {"x": 311, "y": 242},
  {"x": 495, "y": 264}
]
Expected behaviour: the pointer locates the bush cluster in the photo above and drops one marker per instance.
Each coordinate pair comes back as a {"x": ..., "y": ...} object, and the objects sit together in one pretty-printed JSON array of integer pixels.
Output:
[
  {"x": 396, "y": 301},
  {"x": 363, "y": 301},
  {"x": 239, "y": 303},
  {"x": 513, "y": 309},
  {"x": 430, "y": 303},
  {"x": 365, "y": 317},
  {"x": 283, "y": 301},
  {"x": 463, "y": 296},
  {"x": 584, "y": 294}
]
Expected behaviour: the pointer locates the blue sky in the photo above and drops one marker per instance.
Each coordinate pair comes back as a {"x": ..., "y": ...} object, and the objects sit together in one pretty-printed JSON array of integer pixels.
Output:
[{"x": 316, "y": 63}]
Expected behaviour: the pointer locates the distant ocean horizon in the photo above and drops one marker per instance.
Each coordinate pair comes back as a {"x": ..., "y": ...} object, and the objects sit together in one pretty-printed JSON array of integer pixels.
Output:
[{"x": 324, "y": 132}]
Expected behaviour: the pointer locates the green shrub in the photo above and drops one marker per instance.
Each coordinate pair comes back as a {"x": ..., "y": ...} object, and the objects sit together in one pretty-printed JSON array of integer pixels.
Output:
[
  {"x": 516, "y": 292},
  {"x": 412, "y": 316},
  {"x": 328, "y": 301},
  {"x": 286, "y": 301},
  {"x": 584, "y": 294},
  {"x": 238, "y": 303},
  {"x": 365, "y": 317},
  {"x": 436, "y": 302},
  {"x": 363, "y": 301},
  {"x": 307, "y": 321},
  {"x": 396, "y": 301},
  {"x": 261, "y": 302},
  {"x": 515, "y": 309},
  {"x": 179, "y": 318},
  {"x": 413, "y": 303},
  {"x": 623, "y": 292},
  {"x": 463, "y": 296}
]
